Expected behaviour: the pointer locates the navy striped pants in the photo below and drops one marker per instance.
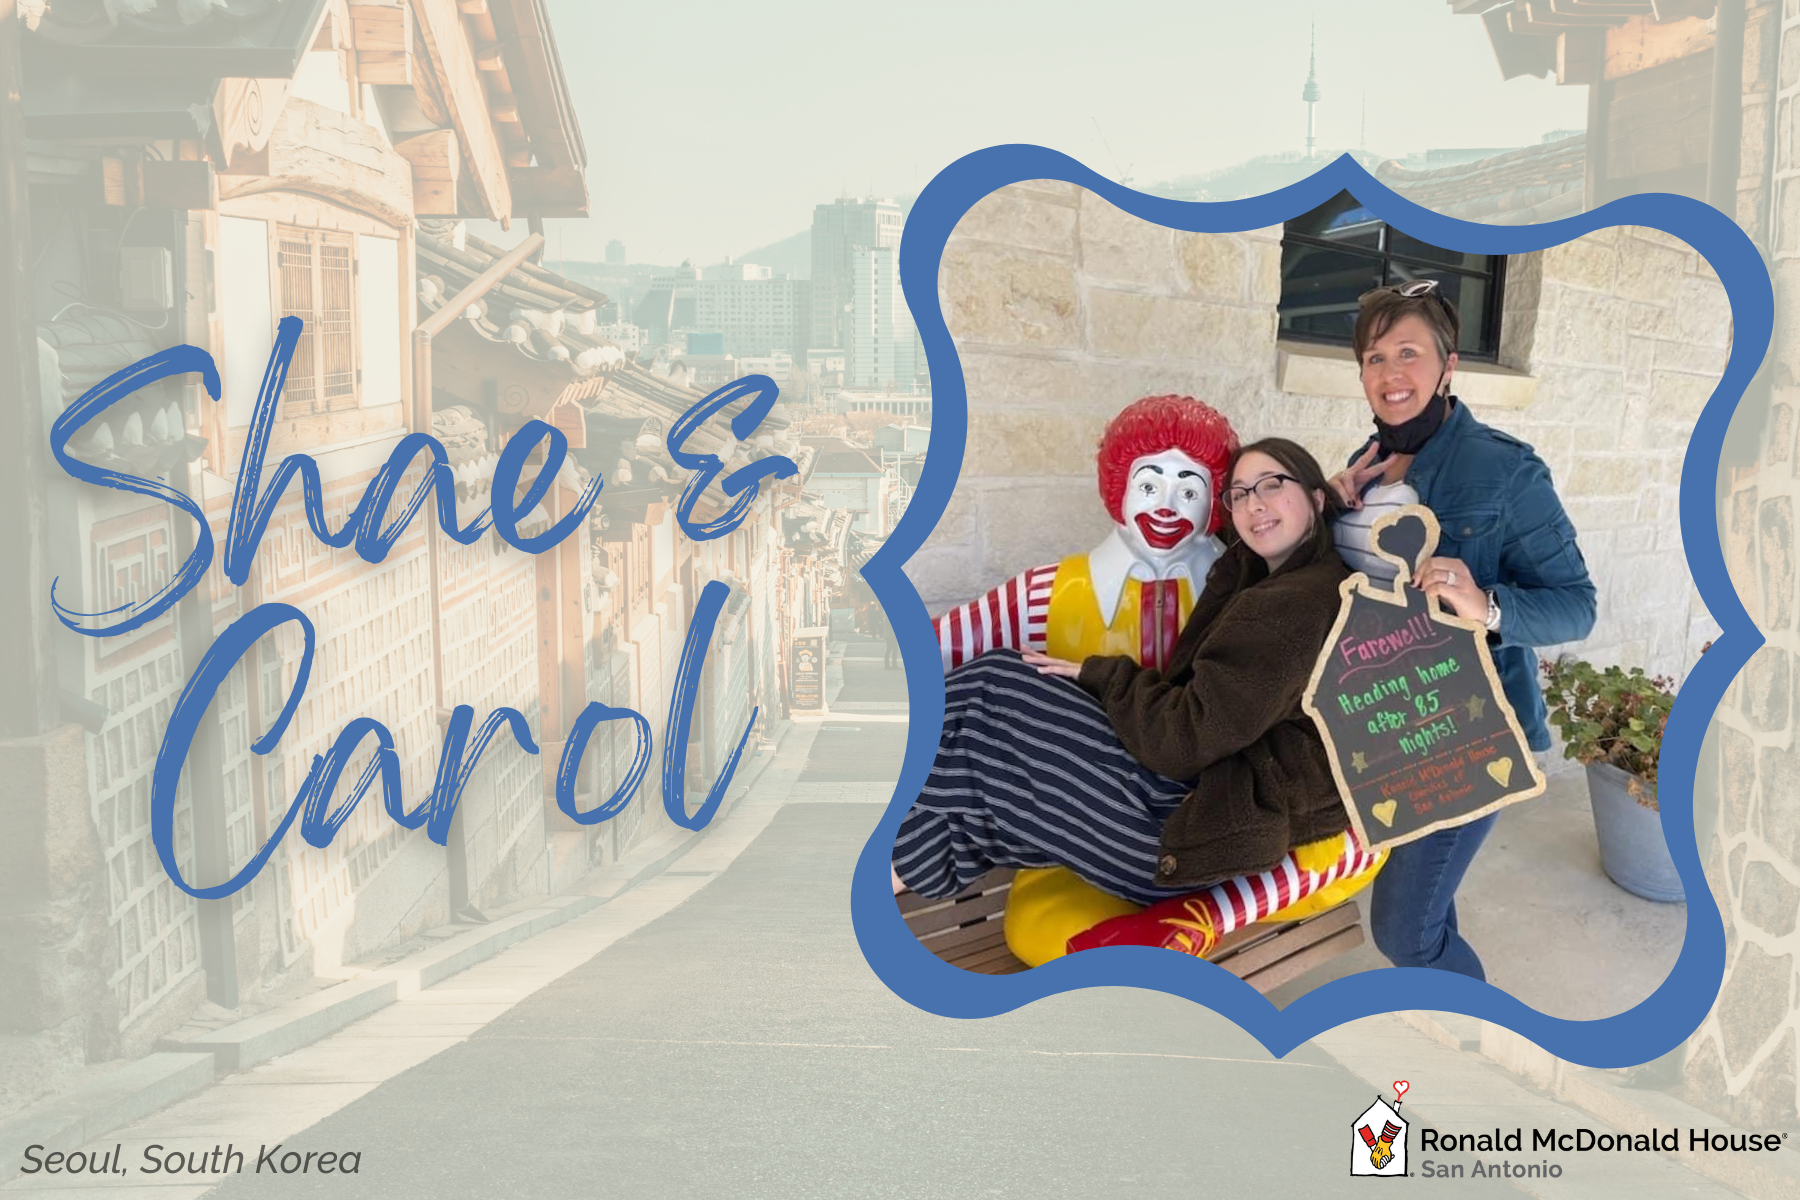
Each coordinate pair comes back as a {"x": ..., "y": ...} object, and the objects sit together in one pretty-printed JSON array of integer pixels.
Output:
[{"x": 1029, "y": 773}]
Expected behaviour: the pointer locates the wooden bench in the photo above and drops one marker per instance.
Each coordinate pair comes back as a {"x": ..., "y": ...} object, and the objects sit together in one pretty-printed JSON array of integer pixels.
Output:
[{"x": 965, "y": 931}]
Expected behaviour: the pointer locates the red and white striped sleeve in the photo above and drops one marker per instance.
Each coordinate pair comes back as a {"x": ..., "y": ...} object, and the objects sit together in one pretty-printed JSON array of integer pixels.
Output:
[
  {"x": 1011, "y": 617},
  {"x": 1249, "y": 898}
]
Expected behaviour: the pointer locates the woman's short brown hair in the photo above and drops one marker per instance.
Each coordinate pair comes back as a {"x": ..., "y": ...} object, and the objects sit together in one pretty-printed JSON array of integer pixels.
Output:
[{"x": 1378, "y": 310}]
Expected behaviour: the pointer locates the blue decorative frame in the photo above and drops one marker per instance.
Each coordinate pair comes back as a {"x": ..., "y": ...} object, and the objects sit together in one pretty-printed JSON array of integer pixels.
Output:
[{"x": 1654, "y": 1026}]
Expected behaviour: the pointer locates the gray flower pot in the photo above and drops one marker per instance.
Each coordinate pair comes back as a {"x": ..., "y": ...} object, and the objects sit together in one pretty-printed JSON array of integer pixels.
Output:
[{"x": 1632, "y": 850}]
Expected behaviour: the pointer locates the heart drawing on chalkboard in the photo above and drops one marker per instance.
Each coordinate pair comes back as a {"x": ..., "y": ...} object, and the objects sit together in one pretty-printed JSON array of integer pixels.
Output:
[
  {"x": 1501, "y": 770},
  {"x": 1384, "y": 812}
]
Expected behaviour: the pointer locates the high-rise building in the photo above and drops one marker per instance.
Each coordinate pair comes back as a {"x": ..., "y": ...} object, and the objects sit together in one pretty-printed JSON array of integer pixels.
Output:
[
  {"x": 757, "y": 315},
  {"x": 838, "y": 229},
  {"x": 881, "y": 326},
  {"x": 740, "y": 270},
  {"x": 626, "y": 336},
  {"x": 669, "y": 305},
  {"x": 615, "y": 252}
]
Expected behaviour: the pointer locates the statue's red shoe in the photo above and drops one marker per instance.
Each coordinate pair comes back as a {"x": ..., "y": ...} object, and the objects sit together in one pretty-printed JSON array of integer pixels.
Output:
[{"x": 1187, "y": 924}]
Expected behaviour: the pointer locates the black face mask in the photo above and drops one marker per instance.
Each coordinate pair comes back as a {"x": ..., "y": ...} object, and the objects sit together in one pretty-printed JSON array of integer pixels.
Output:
[{"x": 1410, "y": 435}]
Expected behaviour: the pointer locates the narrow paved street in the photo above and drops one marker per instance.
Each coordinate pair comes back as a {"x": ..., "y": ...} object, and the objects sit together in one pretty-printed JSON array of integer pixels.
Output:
[
  {"x": 740, "y": 1046},
  {"x": 715, "y": 1032}
]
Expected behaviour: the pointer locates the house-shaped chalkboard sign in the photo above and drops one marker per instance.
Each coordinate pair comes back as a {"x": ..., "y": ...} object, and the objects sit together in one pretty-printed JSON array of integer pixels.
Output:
[{"x": 1415, "y": 722}]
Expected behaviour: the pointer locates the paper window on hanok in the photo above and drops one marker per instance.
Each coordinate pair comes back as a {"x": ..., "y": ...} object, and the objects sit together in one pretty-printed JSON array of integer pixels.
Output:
[{"x": 318, "y": 285}]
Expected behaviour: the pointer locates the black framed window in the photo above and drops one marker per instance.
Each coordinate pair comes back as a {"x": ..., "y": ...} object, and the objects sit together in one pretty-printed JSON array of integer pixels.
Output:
[{"x": 1335, "y": 253}]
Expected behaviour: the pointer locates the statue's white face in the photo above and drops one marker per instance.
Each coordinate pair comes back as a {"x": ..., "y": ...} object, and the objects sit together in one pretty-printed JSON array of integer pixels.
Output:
[{"x": 1168, "y": 499}]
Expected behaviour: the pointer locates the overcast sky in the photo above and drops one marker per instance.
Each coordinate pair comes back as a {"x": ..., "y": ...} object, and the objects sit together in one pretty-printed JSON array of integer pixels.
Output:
[{"x": 713, "y": 128}]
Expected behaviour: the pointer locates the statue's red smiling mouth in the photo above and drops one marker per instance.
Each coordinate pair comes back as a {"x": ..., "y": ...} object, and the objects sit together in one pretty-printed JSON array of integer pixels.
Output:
[{"x": 1164, "y": 529}]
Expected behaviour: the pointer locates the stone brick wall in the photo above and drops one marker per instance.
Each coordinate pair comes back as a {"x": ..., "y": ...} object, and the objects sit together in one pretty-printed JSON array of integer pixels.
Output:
[
  {"x": 1741, "y": 1063},
  {"x": 1064, "y": 308},
  {"x": 1630, "y": 330}
]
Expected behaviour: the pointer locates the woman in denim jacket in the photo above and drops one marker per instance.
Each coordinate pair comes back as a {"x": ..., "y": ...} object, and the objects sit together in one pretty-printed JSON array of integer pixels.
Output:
[{"x": 1507, "y": 557}]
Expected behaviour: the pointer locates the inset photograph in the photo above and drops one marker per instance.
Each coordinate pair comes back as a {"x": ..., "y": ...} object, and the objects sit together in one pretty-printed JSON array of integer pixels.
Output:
[{"x": 1180, "y": 448}]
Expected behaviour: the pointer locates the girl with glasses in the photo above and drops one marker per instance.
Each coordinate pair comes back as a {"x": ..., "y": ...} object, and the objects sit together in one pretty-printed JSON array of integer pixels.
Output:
[
  {"x": 1151, "y": 783},
  {"x": 1506, "y": 557}
]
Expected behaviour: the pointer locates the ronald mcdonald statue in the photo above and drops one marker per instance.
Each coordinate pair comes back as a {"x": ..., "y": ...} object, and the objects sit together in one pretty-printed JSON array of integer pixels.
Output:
[{"x": 1163, "y": 462}]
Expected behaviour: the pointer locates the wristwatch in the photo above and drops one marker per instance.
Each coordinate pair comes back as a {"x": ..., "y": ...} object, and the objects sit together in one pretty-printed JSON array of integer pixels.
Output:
[{"x": 1493, "y": 616}]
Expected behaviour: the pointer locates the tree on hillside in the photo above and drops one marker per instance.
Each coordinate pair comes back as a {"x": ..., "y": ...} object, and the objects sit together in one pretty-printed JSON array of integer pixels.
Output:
[{"x": 799, "y": 386}]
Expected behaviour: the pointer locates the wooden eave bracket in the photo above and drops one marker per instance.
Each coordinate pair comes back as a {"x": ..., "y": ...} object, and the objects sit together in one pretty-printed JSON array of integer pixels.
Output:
[
  {"x": 245, "y": 112},
  {"x": 322, "y": 152},
  {"x": 455, "y": 85},
  {"x": 436, "y": 160},
  {"x": 383, "y": 37}
]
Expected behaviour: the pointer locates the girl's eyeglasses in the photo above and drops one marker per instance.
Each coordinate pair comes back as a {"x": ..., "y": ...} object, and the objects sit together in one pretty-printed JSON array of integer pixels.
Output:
[{"x": 1267, "y": 487}]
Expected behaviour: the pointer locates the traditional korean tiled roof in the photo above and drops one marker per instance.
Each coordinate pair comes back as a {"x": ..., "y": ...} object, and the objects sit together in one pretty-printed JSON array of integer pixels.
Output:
[
  {"x": 809, "y": 526},
  {"x": 65, "y": 104},
  {"x": 835, "y": 456},
  {"x": 837, "y": 532},
  {"x": 628, "y": 417},
  {"x": 626, "y": 410},
  {"x": 90, "y": 344},
  {"x": 129, "y": 69},
  {"x": 143, "y": 434},
  {"x": 633, "y": 392},
  {"x": 178, "y": 37},
  {"x": 465, "y": 440},
  {"x": 859, "y": 548},
  {"x": 803, "y": 523},
  {"x": 546, "y": 316},
  {"x": 1525, "y": 33},
  {"x": 1519, "y": 187},
  {"x": 463, "y": 434}
]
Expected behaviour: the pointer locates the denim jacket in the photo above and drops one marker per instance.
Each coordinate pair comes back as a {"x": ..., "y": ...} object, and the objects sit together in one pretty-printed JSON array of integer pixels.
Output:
[{"x": 1499, "y": 514}]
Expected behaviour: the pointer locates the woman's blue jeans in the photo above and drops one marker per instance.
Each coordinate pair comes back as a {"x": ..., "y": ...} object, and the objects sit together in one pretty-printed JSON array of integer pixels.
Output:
[{"x": 1413, "y": 900}]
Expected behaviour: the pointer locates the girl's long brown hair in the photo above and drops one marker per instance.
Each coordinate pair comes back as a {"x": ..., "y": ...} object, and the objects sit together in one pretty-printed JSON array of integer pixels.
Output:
[{"x": 1295, "y": 460}]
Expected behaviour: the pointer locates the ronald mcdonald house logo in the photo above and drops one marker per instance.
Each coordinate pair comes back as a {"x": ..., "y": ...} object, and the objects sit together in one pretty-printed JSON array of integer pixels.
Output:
[
  {"x": 1378, "y": 1143},
  {"x": 1379, "y": 1137}
]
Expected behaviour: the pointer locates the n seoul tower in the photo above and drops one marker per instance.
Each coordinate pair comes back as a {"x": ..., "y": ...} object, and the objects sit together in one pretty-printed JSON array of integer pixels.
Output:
[{"x": 1310, "y": 93}]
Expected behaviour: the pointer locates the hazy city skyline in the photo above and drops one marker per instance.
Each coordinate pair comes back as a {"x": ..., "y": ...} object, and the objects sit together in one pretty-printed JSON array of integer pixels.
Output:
[{"x": 714, "y": 136}]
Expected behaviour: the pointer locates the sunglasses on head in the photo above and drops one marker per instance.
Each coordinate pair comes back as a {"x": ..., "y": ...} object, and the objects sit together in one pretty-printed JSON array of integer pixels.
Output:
[{"x": 1412, "y": 290}]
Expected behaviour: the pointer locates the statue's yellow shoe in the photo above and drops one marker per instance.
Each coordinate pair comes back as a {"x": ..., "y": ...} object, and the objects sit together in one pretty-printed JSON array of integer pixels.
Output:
[{"x": 1050, "y": 905}]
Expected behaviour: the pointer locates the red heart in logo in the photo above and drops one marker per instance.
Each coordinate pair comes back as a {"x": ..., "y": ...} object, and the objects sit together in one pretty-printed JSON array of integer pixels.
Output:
[{"x": 1400, "y": 1086}]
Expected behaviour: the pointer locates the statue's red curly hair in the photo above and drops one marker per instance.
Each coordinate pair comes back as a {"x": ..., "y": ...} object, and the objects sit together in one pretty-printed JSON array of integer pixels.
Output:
[{"x": 1158, "y": 423}]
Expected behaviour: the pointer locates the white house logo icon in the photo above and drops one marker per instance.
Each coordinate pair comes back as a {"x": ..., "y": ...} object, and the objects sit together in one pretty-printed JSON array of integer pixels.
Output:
[{"x": 1378, "y": 1140}]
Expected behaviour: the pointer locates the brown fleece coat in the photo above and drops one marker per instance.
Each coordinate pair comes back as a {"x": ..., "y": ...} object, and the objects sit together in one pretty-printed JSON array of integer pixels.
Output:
[{"x": 1226, "y": 716}]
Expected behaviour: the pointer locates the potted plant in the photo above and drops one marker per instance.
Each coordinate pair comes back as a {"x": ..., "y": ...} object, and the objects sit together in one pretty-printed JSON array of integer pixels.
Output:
[{"x": 1612, "y": 722}]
